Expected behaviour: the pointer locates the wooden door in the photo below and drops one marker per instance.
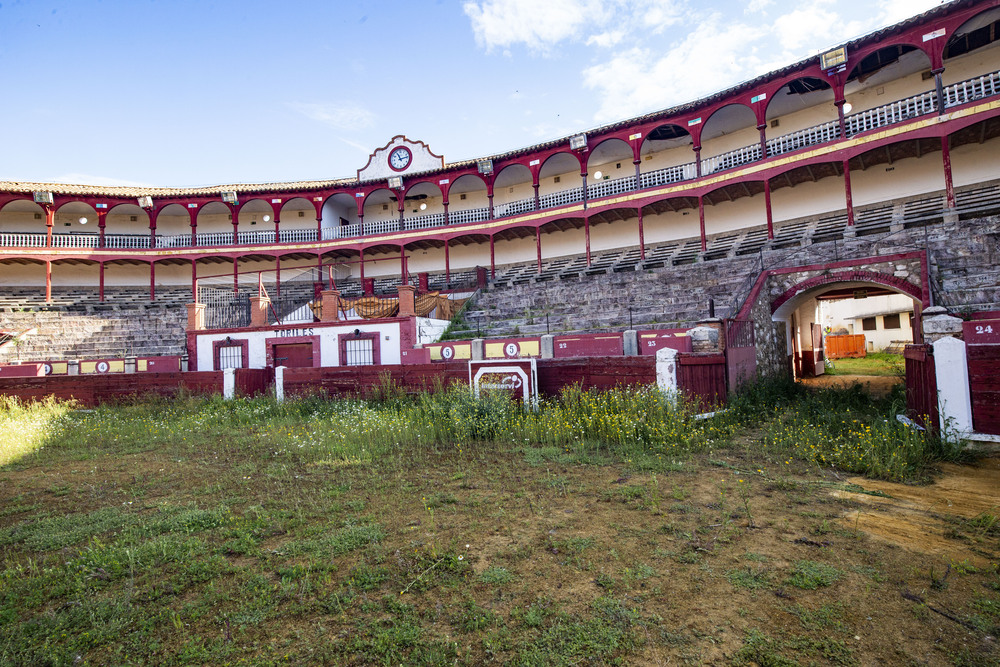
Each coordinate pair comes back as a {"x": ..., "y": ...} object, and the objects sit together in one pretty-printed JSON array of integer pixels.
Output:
[
  {"x": 294, "y": 355},
  {"x": 819, "y": 365}
]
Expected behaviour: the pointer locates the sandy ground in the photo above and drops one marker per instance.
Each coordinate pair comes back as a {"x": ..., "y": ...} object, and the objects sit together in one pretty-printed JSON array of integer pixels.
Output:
[{"x": 949, "y": 518}]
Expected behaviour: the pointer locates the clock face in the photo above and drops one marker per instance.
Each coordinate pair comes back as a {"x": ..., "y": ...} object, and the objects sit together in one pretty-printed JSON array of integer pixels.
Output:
[{"x": 399, "y": 158}]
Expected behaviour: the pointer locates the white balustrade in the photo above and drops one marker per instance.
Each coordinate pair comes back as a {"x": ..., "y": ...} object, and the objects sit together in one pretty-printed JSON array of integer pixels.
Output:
[
  {"x": 424, "y": 221},
  {"x": 297, "y": 235},
  {"x": 380, "y": 227},
  {"x": 468, "y": 215},
  {"x": 561, "y": 198},
  {"x": 818, "y": 134},
  {"x": 986, "y": 85},
  {"x": 510, "y": 208},
  {"x": 894, "y": 112},
  {"x": 76, "y": 240},
  {"x": 122, "y": 241},
  {"x": 611, "y": 187},
  {"x": 22, "y": 240},
  {"x": 681, "y": 172},
  {"x": 731, "y": 159}
]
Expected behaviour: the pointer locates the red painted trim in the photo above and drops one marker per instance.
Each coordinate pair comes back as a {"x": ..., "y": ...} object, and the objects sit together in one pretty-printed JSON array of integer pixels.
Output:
[
  {"x": 701, "y": 222},
  {"x": 364, "y": 335},
  {"x": 900, "y": 284},
  {"x": 217, "y": 346},
  {"x": 269, "y": 344},
  {"x": 848, "y": 195},
  {"x": 949, "y": 185}
]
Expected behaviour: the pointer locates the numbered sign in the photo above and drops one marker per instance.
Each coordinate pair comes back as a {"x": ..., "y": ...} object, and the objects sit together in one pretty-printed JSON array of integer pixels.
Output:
[
  {"x": 981, "y": 332},
  {"x": 517, "y": 376}
]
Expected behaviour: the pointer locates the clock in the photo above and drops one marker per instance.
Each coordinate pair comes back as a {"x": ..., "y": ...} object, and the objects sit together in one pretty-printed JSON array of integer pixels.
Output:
[{"x": 399, "y": 158}]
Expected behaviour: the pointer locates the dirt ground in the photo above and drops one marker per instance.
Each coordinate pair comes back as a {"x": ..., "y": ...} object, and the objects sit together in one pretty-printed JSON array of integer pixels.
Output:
[
  {"x": 877, "y": 385},
  {"x": 921, "y": 519}
]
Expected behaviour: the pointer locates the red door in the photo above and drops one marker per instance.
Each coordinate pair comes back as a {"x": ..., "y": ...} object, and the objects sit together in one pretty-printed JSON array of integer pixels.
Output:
[
  {"x": 819, "y": 364},
  {"x": 294, "y": 355}
]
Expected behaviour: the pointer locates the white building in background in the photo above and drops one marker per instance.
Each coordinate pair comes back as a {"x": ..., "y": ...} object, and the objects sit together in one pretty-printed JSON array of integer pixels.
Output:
[{"x": 883, "y": 319}]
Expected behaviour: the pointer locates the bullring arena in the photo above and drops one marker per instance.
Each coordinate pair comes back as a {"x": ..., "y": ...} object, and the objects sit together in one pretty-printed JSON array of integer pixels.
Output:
[{"x": 868, "y": 171}]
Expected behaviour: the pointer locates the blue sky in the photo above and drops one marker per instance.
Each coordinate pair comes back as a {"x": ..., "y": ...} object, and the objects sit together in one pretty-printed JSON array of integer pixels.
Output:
[{"x": 186, "y": 93}]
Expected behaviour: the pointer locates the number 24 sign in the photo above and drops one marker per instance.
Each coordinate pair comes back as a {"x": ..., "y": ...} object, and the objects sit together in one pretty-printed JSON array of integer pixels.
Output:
[{"x": 982, "y": 332}]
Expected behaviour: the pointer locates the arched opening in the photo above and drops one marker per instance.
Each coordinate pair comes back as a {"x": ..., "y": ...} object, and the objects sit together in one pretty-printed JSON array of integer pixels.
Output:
[
  {"x": 844, "y": 315},
  {"x": 128, "y": 220},
  {"x": 609, "y": 169},
  {"x": 980, "y": 31},
  {"x": 729, "y": 139},
  {"x": 173, "y": 227},
  {"x": 468, "y": 200},
  {"x": 423, "y": 206},
  {"x": 559, "y": 181},
  {"x": 801, "y": 113},
  {"x": 895, "y": 80},
  {"x": 513, "y": 192},
  {"x": 256, "y": 222},
  {"x": 214, "y": 224},
  {"x": 339, "y": 212},
  {"x": 298, "y": 220},
  {"x": 75, "y": 226},
  {"x": 666, "y": 156},
  {"x": 23, "y": 216},
  {"x": 380, "y": 207}
]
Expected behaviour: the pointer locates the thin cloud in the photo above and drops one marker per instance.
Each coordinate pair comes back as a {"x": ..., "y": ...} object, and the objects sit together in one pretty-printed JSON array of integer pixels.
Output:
[{"x": 340, "y": 116}]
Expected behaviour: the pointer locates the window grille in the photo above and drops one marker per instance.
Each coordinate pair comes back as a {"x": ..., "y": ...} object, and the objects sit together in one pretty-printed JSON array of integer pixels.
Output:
[
  {"x": 230, "y": 356},
  {"x": 360, "y": 352}
]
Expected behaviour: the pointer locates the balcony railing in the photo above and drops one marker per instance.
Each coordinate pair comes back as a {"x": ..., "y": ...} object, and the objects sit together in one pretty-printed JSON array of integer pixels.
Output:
[{"x": 987, "y": 85}]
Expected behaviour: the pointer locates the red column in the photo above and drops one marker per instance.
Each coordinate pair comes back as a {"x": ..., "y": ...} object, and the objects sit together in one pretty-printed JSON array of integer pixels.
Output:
[
  {"x": 538, "y": 247},
  {"x": 277, "y": 277},
  {"x": 642, "y": 237},
  {"x": 101, "y": 224},
  {"x": 701, "y": 222},
  {"x": 235, "y": 212},
  {"x": 850, "y": 197},
  {"x": 236, "y": 277},
  {"x": 949, "y": 185},
  {"x": 152, "y": 229},
  {"x": 586, "y": 237},
  {"x": 48, "y": 281},
  {"x": 763, "y": 140},
  {"x": 638, "y": 179},
  {"x": 537, "y": 203},
  {"x": 193, "y": 214},
  {"x": 697, "y": 161},
  {"x": 840, "y": 118},
  {"x": 402, "y": 264},
  {"x": 493, "y": 266},
  {"x": 447, "y": 263},
  {"x": 194, "y": 281},
  {"x": 152, "y": 281},
  {"x": 50, "y": 219},
  {"x": 100, "y": 289},
  {"x": 277, "y": 230},
  {"x": 767, "y": 208},
  {"x": 445, "y": 203},
  {"x": 361, "y": 263},
  {"x": 583, "y": 175},
  {"x": 489, "y": 195}
]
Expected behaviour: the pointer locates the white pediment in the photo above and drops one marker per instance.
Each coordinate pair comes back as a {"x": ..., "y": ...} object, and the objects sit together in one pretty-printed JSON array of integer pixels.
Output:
[{"x": 401, "y": 156}]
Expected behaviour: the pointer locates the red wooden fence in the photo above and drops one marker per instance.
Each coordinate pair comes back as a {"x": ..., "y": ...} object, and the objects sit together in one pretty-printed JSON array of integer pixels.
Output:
[
  {"x": 741, "y": 353},
  {"x": 921, "y": 385},
  {"x": 703, "y": 376}
]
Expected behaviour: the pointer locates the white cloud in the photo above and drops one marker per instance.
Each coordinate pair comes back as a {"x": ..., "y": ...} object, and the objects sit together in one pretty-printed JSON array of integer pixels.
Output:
[
  {"x": 710, "y": 58},
  {"x": 894, "y": 11},
  {"x": 757, "y": 6},
  {"x": 540, "y": 24},
  {"x": 89, "y": 179},
  {"x": 341, "y": 116}
]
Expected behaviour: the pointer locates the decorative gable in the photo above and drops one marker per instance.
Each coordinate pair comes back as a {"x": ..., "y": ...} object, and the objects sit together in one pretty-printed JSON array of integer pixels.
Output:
[{"x": 399, "y": 157}]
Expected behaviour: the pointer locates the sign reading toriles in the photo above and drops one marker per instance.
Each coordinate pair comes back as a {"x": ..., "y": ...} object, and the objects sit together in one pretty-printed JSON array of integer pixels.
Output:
[{"x": 519, "y": 377}]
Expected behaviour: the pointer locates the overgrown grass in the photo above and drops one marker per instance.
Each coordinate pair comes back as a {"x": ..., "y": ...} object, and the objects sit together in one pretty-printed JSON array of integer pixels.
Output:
[
  {"x": 874, "y": 363},
  {"x": 203, "y": 531}
]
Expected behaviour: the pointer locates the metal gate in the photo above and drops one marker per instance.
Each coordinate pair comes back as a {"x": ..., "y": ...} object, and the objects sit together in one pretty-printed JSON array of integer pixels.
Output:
[
  {"x": 741, "y": 353},
  {"x": 225, "y": 309}
]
